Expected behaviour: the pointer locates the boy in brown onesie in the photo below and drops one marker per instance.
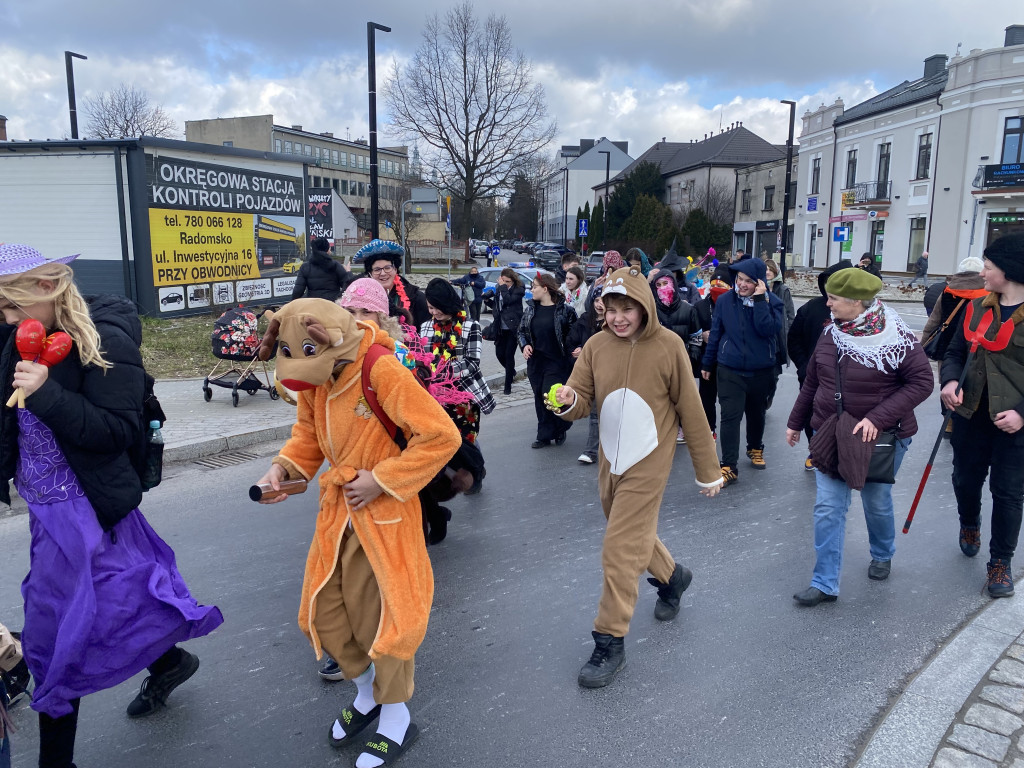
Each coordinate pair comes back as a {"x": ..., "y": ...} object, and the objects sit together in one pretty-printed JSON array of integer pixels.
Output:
[{"x": 639, "y": 374}]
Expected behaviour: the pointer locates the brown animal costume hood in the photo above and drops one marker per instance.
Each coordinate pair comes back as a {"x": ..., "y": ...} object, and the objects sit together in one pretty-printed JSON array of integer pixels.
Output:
[
  {"x": 322, "y": 348},
  {"x": 630, "y": 282}
]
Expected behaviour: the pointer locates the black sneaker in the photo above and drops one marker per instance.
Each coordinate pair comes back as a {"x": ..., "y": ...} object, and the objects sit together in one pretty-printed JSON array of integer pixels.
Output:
[
  {"x": 331, "y": 671},
  {"x": 156, "y": 688},
  {"x": 608, "y": 658},
  {"x": 1000, "y": 580},
  {"x": 17, "y": 682},
  {"x": 669, "y": 594}
]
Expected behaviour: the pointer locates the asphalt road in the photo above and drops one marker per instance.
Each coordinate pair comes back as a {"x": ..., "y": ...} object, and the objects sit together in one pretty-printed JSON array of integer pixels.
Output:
[{"x": 742, "y": 677}]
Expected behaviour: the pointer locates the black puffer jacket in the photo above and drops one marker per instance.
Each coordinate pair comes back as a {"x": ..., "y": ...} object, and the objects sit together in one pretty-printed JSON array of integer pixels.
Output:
[
  {"x": 95, "y": 415},
  {"x": 809, "y": 322},
  {"x": 565, "y": 318},
  {"x": 321, "y": 278}
]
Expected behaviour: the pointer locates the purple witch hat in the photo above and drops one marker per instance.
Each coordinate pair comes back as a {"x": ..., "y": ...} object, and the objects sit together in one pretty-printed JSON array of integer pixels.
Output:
[{"x": 15, "y": 259}]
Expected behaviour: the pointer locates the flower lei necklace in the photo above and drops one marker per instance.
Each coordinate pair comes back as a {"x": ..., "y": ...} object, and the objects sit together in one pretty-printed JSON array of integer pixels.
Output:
[
  {"x": 444, "y": 348},
  {"x": 403, "y": 298}
]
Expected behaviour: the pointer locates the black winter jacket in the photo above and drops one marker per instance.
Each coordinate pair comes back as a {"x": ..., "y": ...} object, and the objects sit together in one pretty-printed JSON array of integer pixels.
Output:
[
  {"x": 679, "y": 316},
  {"x": 321, "y": 278},
  {"x": 95, "y": 415},
  {"x": 809, "y": 322},
  {"x": 565, "y": 318},
  {"x": 507, "y": 307}
]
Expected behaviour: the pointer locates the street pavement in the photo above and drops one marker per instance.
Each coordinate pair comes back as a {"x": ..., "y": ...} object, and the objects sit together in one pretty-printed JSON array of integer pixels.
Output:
[{"x": 894, "y": 673}]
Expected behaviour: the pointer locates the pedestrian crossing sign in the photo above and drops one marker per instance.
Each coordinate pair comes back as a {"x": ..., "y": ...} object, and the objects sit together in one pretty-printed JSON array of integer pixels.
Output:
[{"x": 583, "y": 227}]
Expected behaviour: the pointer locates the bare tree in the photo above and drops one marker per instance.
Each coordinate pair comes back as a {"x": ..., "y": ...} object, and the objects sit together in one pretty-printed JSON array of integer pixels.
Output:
[
  {"x": 469, "y": 94},
  {"x": 126, "y": 112},
  {"x": 717, "y": 202}
]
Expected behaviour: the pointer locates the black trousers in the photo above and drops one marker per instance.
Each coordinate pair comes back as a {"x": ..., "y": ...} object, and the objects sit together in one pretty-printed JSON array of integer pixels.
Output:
[
  {"x": 474, "y": 309},
  {"x": 742, "y": 396},
  {"x": 979, "y": 445},
  {"x": 543, "y": 373},
  {"x": 709, "y": 396},
  {"x": 505, "y": 346}
]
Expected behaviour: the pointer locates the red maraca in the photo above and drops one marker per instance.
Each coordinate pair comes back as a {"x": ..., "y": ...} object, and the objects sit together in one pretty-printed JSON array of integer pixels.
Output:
[{"x": 33, "y": 344}]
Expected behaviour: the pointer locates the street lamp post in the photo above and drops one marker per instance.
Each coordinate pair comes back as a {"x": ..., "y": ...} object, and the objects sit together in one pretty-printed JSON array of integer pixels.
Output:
[
  {"x": 785, "y": 200},
  {"x": 607, "y": 175},
  {"x": 371, "y": 74},
  {"x": 69, "y": 68}
]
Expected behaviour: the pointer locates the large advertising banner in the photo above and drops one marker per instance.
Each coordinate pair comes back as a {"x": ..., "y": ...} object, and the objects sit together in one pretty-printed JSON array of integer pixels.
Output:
[{"x": 212, "y": 236}]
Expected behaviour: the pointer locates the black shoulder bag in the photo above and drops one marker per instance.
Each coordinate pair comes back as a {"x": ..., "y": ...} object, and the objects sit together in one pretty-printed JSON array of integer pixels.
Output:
[
  {"x": 882, "y": 468},
  {"x": 931, "y": 344}
]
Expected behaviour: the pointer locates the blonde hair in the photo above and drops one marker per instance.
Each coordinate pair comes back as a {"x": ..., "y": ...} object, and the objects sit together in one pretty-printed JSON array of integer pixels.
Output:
[{"x": 70, "y": 310}]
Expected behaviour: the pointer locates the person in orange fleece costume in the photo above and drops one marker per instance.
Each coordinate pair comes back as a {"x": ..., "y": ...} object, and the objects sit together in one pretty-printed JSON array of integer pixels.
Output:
[{"x": 368, "y": 585}]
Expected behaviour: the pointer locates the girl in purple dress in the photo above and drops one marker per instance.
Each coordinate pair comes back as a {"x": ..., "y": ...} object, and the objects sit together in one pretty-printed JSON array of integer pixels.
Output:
[{"x": 103, "y": 597}]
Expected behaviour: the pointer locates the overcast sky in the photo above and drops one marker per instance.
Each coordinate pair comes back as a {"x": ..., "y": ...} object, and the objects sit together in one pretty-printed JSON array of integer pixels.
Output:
[{"x": 633, "y": 71}]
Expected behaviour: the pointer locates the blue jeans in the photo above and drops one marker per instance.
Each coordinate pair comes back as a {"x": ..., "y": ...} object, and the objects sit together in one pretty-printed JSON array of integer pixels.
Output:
[{"x": 830, "y": 509}]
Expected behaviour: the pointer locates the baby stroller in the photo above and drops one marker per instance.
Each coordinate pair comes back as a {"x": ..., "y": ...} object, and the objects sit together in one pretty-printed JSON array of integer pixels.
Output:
[{"x": 235, "y": 339}]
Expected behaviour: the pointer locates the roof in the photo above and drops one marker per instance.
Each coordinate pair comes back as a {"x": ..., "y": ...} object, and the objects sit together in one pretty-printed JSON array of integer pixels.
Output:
[
  {"x": 143, "y": 141},
  {"x": 735, "y": 148},
  {"x": 907, "y": 92}
]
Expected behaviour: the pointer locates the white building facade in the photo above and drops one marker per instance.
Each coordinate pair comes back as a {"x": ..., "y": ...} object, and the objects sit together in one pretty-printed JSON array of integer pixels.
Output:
[
  {"x": 582, "y": 167},
  {"x": 905, "y": 172}
]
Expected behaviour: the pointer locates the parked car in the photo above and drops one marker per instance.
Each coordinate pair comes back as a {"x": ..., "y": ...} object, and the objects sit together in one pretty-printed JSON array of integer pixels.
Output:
[
  {"x": 526, "y": 274},
  {"x": 520, "y": 246},
  {"x": 548, "y": 259},
  {"x": 592, "y": 266},
  {"x": 478, "y": 248}
]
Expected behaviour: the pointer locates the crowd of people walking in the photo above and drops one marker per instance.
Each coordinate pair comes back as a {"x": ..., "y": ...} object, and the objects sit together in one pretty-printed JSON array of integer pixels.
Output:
[{"x": 390, "y": 391}]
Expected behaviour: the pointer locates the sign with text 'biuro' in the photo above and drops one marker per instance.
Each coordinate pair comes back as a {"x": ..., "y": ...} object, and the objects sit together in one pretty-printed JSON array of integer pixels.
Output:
[{"x": 199, "y": 247}]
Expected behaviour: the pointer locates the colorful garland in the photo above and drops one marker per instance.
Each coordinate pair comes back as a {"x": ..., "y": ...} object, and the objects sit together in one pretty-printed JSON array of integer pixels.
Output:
[
  {"x": 403, "y": 298},
  {"x": 444, "y": 349}
]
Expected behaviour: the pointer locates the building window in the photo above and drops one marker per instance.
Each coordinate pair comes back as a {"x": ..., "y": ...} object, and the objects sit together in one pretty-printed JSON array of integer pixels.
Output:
[
  {"x": 884, "y": 154},
  {"x": 343, "y": 160},
  {"x": 916, "y": 242},
  {"x": 362, "y": 189},
  {"x": 334, "y": 183},
  {"x": 352, "y": 160},
  {"x": 815, "y": 175},
  {"x": 277, "y": 145},
  {"x": 769, "y": 198},
  {"x": 924, "y": 156},
  {"x": 344, "y": 187},
  {"x": 307, "y": 150},
  {"x": 745, "y": 201},
  {"x": 287, "y": 147},
  {"x": 1013, "y": 140},
  {"x": 851, "y": 168},
  {"x": 334, "y": 156}
]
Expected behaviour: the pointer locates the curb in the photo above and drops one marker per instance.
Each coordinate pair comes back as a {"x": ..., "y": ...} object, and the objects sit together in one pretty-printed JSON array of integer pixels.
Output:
[
  {"x": 175, "y": 453},
  {"x": 914, "y": 727}
]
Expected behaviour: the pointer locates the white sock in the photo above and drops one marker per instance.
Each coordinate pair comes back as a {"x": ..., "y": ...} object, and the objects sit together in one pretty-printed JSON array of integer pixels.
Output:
[
  {"x": 394, "y": 724},
  {"x": 364, "y": 699}
]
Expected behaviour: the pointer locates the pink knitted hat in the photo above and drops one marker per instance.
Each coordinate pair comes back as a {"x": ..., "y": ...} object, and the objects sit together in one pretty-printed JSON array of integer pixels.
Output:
[{"x": 365, "y": 293}]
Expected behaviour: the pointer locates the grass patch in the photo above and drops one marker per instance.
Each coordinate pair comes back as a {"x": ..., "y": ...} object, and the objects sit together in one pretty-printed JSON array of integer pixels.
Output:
[{"x": 178, "y": 348}]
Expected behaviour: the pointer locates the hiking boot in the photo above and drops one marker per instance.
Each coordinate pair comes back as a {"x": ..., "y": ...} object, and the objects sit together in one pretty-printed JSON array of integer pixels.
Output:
[
  {"x": 668, "y": 594},
  {"x": 756, "y": 456},
  {"x": 811, "y": 596},
  {"x": 809, "y": 463},
  {"x": 156, "y": 688},
  {"x": 608, "y": 658},
  {"x": 1000, "y": 580},
  {"x": 878, "y": 570},
  {"x": 729, "y": 476},
  {"x": 970, "y": 540}
]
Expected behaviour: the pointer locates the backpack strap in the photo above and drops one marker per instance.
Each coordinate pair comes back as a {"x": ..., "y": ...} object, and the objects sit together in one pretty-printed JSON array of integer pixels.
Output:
[{"x": 373, "y": 354}]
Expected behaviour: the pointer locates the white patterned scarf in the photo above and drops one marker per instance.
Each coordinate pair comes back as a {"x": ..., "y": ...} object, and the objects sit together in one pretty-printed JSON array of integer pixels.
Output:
[{"x": 883, "y": 350}]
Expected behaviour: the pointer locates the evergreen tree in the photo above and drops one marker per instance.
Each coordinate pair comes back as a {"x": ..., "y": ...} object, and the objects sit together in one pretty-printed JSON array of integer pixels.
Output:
[
  {"x": 577, "y": 241},
  {"x": 646, "y": 223},
  {"x": 595, "y": 241},
  {"x": 644, "y": 179}
]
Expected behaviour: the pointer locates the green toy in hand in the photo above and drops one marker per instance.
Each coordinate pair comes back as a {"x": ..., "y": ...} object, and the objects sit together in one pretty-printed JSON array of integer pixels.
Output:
[{"x": 552, "y": 399}]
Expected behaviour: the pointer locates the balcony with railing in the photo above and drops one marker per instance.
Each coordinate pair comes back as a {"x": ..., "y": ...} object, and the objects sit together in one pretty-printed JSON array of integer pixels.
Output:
[{"x": 868, "y": 194}]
